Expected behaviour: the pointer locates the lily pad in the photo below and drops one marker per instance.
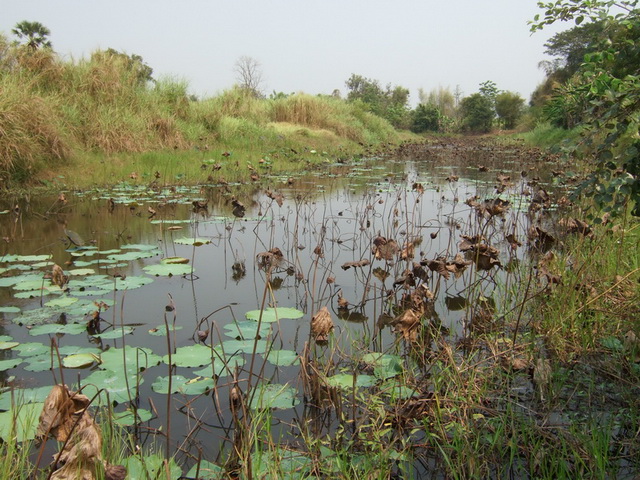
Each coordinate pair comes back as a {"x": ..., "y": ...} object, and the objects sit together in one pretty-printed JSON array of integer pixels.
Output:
[
  {"x": 79, "y": 272},
  {"x": 161, "y": 330},
  {"x": 196, "y": 242},
  {"x": 117, "y": 332},
  {"x": 132, "y": 282},
  {"x": 283, "y": 358},
  {"x": 345, "y": 381},
  {"x": 180, "y": 384},
  {"x": 247, "y": 329},
  {"x": 114, "y": 385},
  {"x": 273, "y": 395},
  {"x": 139, "y": 246},
  {"x": 55, "y": 328},
  {"x": 168, "y": 270},
  {"x": 134, "y": 255},
  {"x": 10, "y": 363},
  {"x": 385, "y": 365},
  {"x": 61, "y": 302},
  {"x": 128, "y": 417},
  {"x": 79, "y": 360},
  {"x": 191, "y": 356},
  {"x": 8, "y": 345},
  {"x": 21, "y": 396},
  {"x": 220, "y": 367},
  {"x": 42, "y": 363},
  {"x": 9, "y": 309},
  {"x": 245, "y": 346},
  {"x": 32, "y": 349},
  {"x": 270, "y": 315},
  {"x": 174, "y": 260},
  {"x": 206, "y": 471},
  {"x": 133, "y": 359},
  {"x": 151, "y": 467},
  {"x": 20, "y": 425}
]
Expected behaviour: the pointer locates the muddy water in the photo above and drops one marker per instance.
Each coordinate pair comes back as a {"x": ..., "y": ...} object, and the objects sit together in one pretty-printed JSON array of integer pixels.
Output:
[{"x": 319, "y": 222}]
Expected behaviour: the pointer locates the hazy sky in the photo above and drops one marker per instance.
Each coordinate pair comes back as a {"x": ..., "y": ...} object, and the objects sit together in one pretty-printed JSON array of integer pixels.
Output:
[{"x": 311, "y": 46}]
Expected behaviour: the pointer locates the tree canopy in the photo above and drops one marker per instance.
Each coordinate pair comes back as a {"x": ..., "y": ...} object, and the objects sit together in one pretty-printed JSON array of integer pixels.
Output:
[{"x": 34, "y": 34}]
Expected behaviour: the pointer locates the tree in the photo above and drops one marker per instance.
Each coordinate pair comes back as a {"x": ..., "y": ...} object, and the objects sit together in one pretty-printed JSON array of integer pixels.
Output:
[
  {"x": 440, "y": 97},
  {"x": 34, "y": 33},
  {"x": 609, "y": 92},
  {"x": 389, "y": 103},
  {"x": 249, "y": 75},
  {"x": 477, "y": 113},
  {"x": 426, "y": 118},
  {"x": 509, "y": 107},
  {"x": 134, "y": 63}
]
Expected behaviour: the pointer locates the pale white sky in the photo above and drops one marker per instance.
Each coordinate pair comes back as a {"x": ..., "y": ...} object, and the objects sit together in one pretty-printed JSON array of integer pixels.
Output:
[{"x": 311, "y": 46}]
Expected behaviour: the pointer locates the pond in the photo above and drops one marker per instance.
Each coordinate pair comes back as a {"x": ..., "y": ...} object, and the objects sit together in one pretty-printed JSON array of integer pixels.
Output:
[{"x": 236, "y": 272}]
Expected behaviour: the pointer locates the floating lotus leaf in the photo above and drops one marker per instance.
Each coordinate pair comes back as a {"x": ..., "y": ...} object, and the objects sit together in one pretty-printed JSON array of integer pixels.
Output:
[
  {"x": 20, "y": 425},
  {"x": 174, "y": 260},
  {"x": 345, "y": 381},
  {"x": 134, "y": 359},
  {"x": 220, "y": 368},
  {"x": 72, "y": 350},
  {"x": 85, "y": 306},
  {"x": 270, "y": 315},
  {"x": 79, "y": 272},
  {"x": 398, "y": 390},
  {"x": 132, "y": 282},
  {"x": 42, "y": 363},
  {"x": 33, "y": 284},
  {"x": 283, "y": 358},
  {"x": 32, "y": 349},
  {"x": 196, "y": 242},
  {"x": 8, "y": 364},
  {"x": 8, "y": 345},
  {"x": 169, "y": 222},
  {"x": 247, "y": 329},
  {"x": 139, "y": 246},
  {"x": 5, "y": 338},
  {"x": 32, "y": 258},
  {"x": 191, "y": 356},
  {"x": 168, "y": 270},
  {"x": 152, "y": 467},
  {"x": 117, "y": 332},
  {"x": 61, "y": 302},
  {"x": 128, "y": 417},
  {"x": 180, "y": 384},
  {"x": 36, "y": 316},
  {"x": 290, "y": 465},
  {"x": 161, "y": 330},
  {"x": 79, "y": 360},
  {"x": 385, "y": 366},
  {"x": 273, "y": 395},
  {"x": 22, "y": 396},
  {"x": 118, "y": 388},
  {"x": 206, "y": 471},
  {"x": 9, "y": 309},
  {"x": 134, "y": 255},
  {"x": 35, "y": 293},
  {"x": 54, "y": 328},
  {"x": 245, "y": 346}
]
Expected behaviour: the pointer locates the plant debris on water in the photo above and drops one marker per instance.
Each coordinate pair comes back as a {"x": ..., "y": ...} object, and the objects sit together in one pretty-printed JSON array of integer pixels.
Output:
[{"x": 435, "y": 316}]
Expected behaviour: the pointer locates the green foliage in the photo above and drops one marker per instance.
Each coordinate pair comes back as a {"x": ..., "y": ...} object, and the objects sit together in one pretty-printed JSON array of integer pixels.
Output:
[
  {"x": 605, "y": 99},
  {"x": 135, "y": 63},
  {"x": 477, "y": 113},
  {"x": 389, "y": 103},
  {"x": 34, "y": 34},
  {"x": 426, "y": 118},
  {"x": 509, "y": 107}
]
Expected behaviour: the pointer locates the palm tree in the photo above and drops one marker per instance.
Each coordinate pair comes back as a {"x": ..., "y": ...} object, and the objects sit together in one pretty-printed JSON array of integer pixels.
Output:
[{"x": 34, "y": 33}]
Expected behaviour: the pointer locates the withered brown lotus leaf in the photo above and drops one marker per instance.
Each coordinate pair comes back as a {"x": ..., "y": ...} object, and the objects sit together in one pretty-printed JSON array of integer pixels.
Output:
[
  {"x": 271, "y": 258},
  {"x": 58, "y": 277},
  {"x": 361, "y": 263},
  {"x": 458, "y": 265},
  {"x": 418, "y": 187},
  {"x": 439, "y": 265},
  {"x": 485, "y": 256},
  {"x": 321, "y": 325},
  {"x": 342, "y": 302},
  {"x": 65, "y": 417},
  {"x": 574, "y": 225},
  {"x": 495, "y": 206},
  {"x": 384, "y": 249},
  {"x": 407, "y": 324},
  {"x": 469, "y": 242},
  {"x": 380, "y": 273},
  {"x": 513, "y": 241}
]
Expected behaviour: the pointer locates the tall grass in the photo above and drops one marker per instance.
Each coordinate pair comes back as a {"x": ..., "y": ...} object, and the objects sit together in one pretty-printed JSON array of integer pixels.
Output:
[{"x": 56, "y": 113}]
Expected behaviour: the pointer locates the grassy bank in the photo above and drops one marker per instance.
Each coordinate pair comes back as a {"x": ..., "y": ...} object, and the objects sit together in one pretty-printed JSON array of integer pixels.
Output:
[{"x": 85, "y": 122}]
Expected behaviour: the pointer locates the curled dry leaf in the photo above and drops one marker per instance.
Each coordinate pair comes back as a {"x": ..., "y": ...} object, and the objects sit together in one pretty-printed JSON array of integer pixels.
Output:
[
  {"x": 58, "y": 277},
  {"x": 272, "y": 258},
  {"x": 277, "y": 197},
  {"x": 362, "y": 263},
  {"x": 65, "y": 416},
  {"x": 342, "y": 302},
  {"x": 573, "y": 225},
  {"x": 513, "y": 241},
  {"x": 407, "y": 324},
  {"x": 321, "y": 325},
  {"x": 384, "y": 249}
]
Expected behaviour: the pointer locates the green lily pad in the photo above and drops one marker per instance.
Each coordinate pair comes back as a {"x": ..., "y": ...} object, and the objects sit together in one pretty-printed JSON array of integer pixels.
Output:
[
  {"x": 32, "y": 258},
  {"x": 134, "y": 255},
  {"x": 385, "y": 365},
  {"x": 140, "y": 246},
  {"x": 134, "y": 359},
  {"x": 79, "y": 360},
  {"x": 117, "y": 332},
  {"x": 270, "y": 315},
  {"x": 21, "y": 396},
  {"x": 25, "y": 277},
  {"x": 283, "y": 358},
  {"x": 191, "y": 356},
  {"x": 61, "y": 302},
  {"x": 20, "y": 425},
  {"x": 196, "y": 242},
  {"x": 8, "y": 345},
  {"x": 128, "y": 417},
  {"x": 221, "y": 368},
  {"x": 42, "y": 363},
  {"x": 246, "y": 346},
  {"x": 114, "y": 385},
  {"x": 38, "y": 284},
  {"x": 206, "y": 471},
  {"x": 72, "y": 350},
  {"x": 132, "y": 282},
  {"x": 10, "y": 363},
  {"x": 9, "y": 309},
  {"x": 55, "y": 328},
  {"x": 273, "y": 395},
  {"x": 180, "y": 384},
  {"x": 32, "y": 349},
  {"x": 345, "y": 381},
  {"x": 168, "y": 270},
  {"x": 398, "y": 390},
  {"x": 6, "y": 338},
  {"x": 36, "y": 316},
  {"x": 174, "y": 260},
  {"x": 247, "y": 329},
  {"x": 151, "y": 467},
  {"x": 161, "y": 330}
]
